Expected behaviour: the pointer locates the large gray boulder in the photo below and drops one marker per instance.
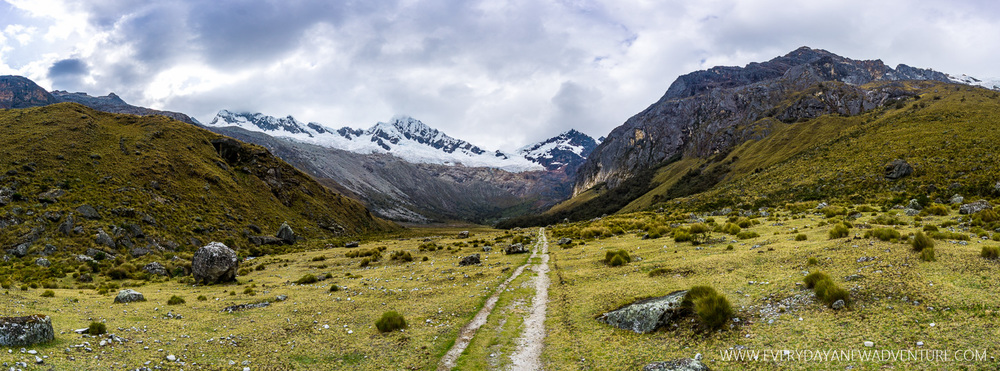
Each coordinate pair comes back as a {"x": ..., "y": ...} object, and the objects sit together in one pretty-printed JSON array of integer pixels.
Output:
[
  {"x": 102, "y": 238},
  {"x": 515, "y": 249},
  {"x": 88, "y": 212},
  {"x": 974, "y": 207},
  {"x": 286, "y": 234},
  {"x": 897, "y": 169},
  {"x": 155, "y": 268},
  {"x": 25, "y": 331},
  {"x": 463, "y": 234},
  {"x": 469, "y": 260},
  {"x": 645, "y": 315},
  {"x": 129, "y": 296},
  {"x": 682, "y": 364},
  {"x": 214, "y": 263},
  {"x": 67, "y": 225}
]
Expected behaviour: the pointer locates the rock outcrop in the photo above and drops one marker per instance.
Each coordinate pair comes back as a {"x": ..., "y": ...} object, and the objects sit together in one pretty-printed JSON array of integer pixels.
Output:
[
  {"x": 25, "y": 331},
  {"x": 129, "y": 296},
  {"x": 645, "y": 315},
  {"x": 214, "y": 263},
  {"x": 469, "y": 260},
  {"x": 155, "y": 268},
  {"x": 516, "y": 249},
  {"x": 898, "y": 168},
  {"x": 974, "y": 207},
  {"x": 285, "y": 234}
]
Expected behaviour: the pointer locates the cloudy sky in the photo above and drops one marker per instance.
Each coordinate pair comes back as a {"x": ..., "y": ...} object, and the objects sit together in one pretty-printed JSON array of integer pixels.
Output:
[{"x": 498, "y": 73}]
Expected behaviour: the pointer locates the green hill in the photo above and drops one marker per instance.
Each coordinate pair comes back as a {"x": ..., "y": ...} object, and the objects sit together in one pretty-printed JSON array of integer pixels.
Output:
[{"x": 154, "y": 186}]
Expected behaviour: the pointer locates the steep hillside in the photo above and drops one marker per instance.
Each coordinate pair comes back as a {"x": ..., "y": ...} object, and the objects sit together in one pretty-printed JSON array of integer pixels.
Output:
[
  {"x": 76, "y": 179},
  {"x": 114, "y": 104}
]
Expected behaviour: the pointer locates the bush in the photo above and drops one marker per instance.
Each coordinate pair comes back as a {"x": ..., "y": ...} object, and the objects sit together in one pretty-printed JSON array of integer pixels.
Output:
[
  {"x": 990, "y": 252},
  {"x": 747, "y": 234},
  {"x": 921, "y": 241},
  {"x": 935, "y": 209},
  {"x": 401, "y": 255},
  {"x": 202, "y": 298},
  {"x": 801, "y": 237},
  {"x": 616, "y": 258},
  {"x": 838, "y": 231},
  {"x": 682, "y": 236},
  {"x": 730, "y": 228},
  {"x": 175, "y": 300},
  {"x": 334, "y": 288},
  {"x": 97, "y": 328},
  {"x": 930, "y": 228},
  {"x": 828, "y": 292},
  {"x": 949, "y": 236},
  {"x": 319, "y": 258},
  {"x": 249, "y": 291},
  {"x": 884, "y": 234},
  {"x": 729, "y": 247},
  {"x": 48, "y": 294},
  {"x": 659, "y": 272},
  {"x": 927, "y": 254},
  {"x": 307, "y": 279},
  {"x": 813, "y": 278},
  {"x": 390, "y": 321},
  {"x": 118, "y": 274},
  {"x": 711, "y": 308}
]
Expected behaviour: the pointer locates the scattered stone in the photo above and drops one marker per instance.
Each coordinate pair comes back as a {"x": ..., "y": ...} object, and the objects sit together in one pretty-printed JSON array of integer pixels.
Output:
[
  {"x": 463, "y": 234},
  {"x": 42, "y": 262},
  {"x": 155, "y": 268},
  {"x": 911, "y": 212},
  {"x": 52, "y": 216},
  {"x": 869, "y": 344},
  {"x": 782, "y": 308},
  {"x": 469, "y": 260},
  {"x": 84, "y": 259},
  {"x": 487, "y": 248},
  {"x": 51, "y": 196},
  {"x": 564, "y": 241},
  {"x": 102, "y": 238},
  {"x": 352, "y": 244},
  {"x": 285, "y": 234},
  {"x": 897, "y": 169},
  {"x": 854, "y": 277},
  {"x": 88, "y": 212},
  {"x": 281, "y": 298},
  {"x": 682, "y": 364},
  {"x": 515, "y": 249},
  {"x": 20, "y": 250},
  {"x": 974, "y": 207},
  {"x": 645, "y": 315},
  {"x": 39, "y": 360},
  {"x": 25, "y": 331},
  {"x": 838, "y": 305},
  {"x": 129, "y": 296},
  {"x": 920, "y": 343},
  {"x": 239, "y": 307},
  {"x": 214, "y": 263},
  {"x": 171, "y": 357}
]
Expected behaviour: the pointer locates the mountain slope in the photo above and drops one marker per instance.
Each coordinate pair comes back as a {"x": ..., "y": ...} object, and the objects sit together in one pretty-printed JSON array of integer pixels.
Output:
[
  {"x": 114, "y": 104},
  {"x": 20, "y": 92},
  {"x": 568, "y": 149},
  {"x": 151, "y": 183}
]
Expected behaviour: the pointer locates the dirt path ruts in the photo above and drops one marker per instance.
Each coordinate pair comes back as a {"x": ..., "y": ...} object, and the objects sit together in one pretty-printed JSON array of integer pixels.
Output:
[
  {"x": 466, "y": 334},
  {"x": 528, "y": 355}
]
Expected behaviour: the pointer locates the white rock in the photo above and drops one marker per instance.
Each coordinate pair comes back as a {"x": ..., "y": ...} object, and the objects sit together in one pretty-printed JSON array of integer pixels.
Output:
[
  {"x": 698, "y": 357},
  {"x": 171, "y": 357},
  {"x": 920, "y": 343},
  {"x": 39, "y": 360},
  {"x": 869, "y": 344}
]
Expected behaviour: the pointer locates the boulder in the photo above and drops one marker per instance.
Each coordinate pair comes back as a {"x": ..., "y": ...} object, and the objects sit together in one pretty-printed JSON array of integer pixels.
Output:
[
  {"x": 214, "y": 263},
  {"x": 957, "y": 199},
  {"x": 838, "y": 305},
  {"x": 20, "y": 250},
  {"x": 974, "y": 207},
  {"x": 463, "y": 234},
  {"x": 42, "y": 262},
  {"x": 129, "y": 296},
  {"x": 84, "y": 259},
  {"x": 914, "y": 204},
  {"x": 102, "y": 238},
  {"x": 682, "y": 364},
  {"x": 265, "y": 240},
  {"x": 645, "y": 315},
  {"x": 155, "y": 268},
  {"x": 25, "y": 331},
  {"x": 139, "y": 251},
  {"x": 898, "y": 168},
  {"x": 51, "y": 196},
  {"x": 67, "y": 225},
  {"x": 469, "y": 260},
  {"x": 515, "y": 249},
  {"x": 49, "y": 250},
  {"x": 96, "y": 254},
  {"x": 352, "y": 244},
  {"x": 911, "y": 212},
  {"x": 487, "y": 248},
  {"x": 564, "y": 241},
  {"x": 285, "y": 234},
  {"x": 88, "y": 212}
]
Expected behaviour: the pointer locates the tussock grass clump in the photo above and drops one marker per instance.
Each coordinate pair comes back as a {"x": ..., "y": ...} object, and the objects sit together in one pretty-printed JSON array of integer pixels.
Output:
[
  {"x": 730, "y": 228},
  {"x": 838, "y": 231},
  {"x": 813, "y": 278},
  {"x": 746, "y": 235},
  {"x": 175, "y": 300},
  {"x": 334, "y": 288},
  {"x": 826, "y": 290},
  {"x": 945, "y": 235},
  {"x": 939, "y": 210},
  {"x": 712, "y": 309},
  {"x": 659, "y": 272},
  {"x": 97, "y": 328},
  {"x": 390, "y": 321},
  {"x": 307, "y": 279},
  {"x": 801, "y": 237},
  {"x": 48, "y": 294},
  {"x": 927, "y": 254},
  {"x": 921, "y": 242},
  {"x": 202, "y": 298},
  {"x": 813, "y": 261},
  {"x": 249, "y": 291},
  {"x": 884, "y": 234},
  {"x": 990, "y": 252},
  {"x": 930, "y": 228},
  {"x": 426, "y": 246},
  {"x": 401, "y": 255},
  {"x": 616, "y": 258},
  {"x": 681, "y": 235},
  {"x": 888, "y": 220},
  {"x": 374, "y": 254},
  {"x": 319, "y": 258}
]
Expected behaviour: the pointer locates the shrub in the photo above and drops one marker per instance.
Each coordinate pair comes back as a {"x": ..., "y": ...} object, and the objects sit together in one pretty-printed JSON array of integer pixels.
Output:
[
  {"x": 118, "y": 274},
  {"x": 828, "y": 292},
  {"x": 681, "y": 236},
  {"x": 243, "y": 272},
  {"x": 390, "y": 321},
  {"x": 401, "y": 255},
  {"x": 747, "y": 234},
  {"x": 990, "y": 252},
  {"x": 249, "y": 291},
  {"x": 801, "y": 237},
  {"x": 711, "y": 308},
  {"x": 729, "y": 247},
  {"x": 259, "y": 267},
  {"x": 927, "y": 254},
  {"x": 730, "y": 228},
  {"x": 921, "y": 241},
  {"x": 813, "y": 261},
  {"x": 699, "y": 229},
  {"x": 334, "y": 288},
  {"x": 319, "y": 258},
  {"x": 813, "y": 278},
  {"x": 307, "y": 279},
  {"x": 364, "y": 262},
  {"x": 48, "y": 294},
  {"x": 838, "y": 231},
  {"x": 945, "y": 235},
  {"x": 659, "y": 272},
  {"x": 616, "y": 258},
  {"x": 930, "y": 228},
  {"x": 884, "y": 234},
  {"x": 935, "y": 209},
  {"x": 97, "y": 328},
  {"x": 175, "y": 300},
  {"x": 202, "y": 298}
]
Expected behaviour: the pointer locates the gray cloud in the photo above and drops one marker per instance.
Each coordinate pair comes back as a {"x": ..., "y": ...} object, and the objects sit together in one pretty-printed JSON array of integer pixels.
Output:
[{"x": 68, "y": 73}]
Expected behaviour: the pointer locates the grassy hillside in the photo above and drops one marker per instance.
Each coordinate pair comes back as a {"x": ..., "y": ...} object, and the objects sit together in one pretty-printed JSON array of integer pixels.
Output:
[{"x": 155, "y": 183}]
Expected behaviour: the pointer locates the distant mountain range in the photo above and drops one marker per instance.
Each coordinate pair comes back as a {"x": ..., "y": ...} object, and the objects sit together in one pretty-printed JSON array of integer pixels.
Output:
[{"x": 413, "y": 141}]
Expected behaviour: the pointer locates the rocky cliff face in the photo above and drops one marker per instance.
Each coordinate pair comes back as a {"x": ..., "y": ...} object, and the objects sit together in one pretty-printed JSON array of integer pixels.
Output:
[
  {"x": 20, "y": 92},
  {"x": 710, "y": 112}
]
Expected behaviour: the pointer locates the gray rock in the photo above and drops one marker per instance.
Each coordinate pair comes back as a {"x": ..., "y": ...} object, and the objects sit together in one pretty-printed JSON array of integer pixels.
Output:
[
  {"x": 914, "y": 204},
  {"x": 51, "y": 196},
  {"x": 281, "y": 298},
  {"x": 957, "y": 199},
  {"x": 897, "y": 169},
  {"x": 52, "y": 216},
  {"x": 911, "y": 212},
  {"x": 95, "y": 253},
  {"x": 102, "y": 238},
  {"x": 463, "y": 234},
  {"x": 5, "y": 195},
  {"x": 265, "y": 240},
  {"x": 42, "y": 262},
  {"x": 515, "y": 249},
  {"x": 645, "y": 315},
  {"x": 564, "y": 241},
  {"x": 214, "y": 263},
  {"x": 139, "y": 251},
  {"x": 838, "y": 305},
  {"x": 49, "y": 250},
  {"x": 239, "y": 307},
  {"x": 19, "y": 250},
  {"x": 682, "y": 364},
  {"x": 285, "y": 234},
  {"x": 853, "y": 277},
  {"x": 66, "y": 227},
  {"x": 352, "y": 244},
  {"x": 84, "y": 258},
  {"x": 469, "y": 260},
  {"x": 974, "y": 207},
  {"x": 171, "y": 358},
  {"x": 129, "y": 296},
  {"x": 155, "y": 268},
  {"x": 487, "y": 248},
  {"x": 88, "y": 212},
  {"x": 25, "y": 331}
]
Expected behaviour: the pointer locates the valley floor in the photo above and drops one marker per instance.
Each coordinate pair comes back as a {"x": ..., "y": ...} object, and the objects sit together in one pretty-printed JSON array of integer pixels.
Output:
[{"x": 942, "y": 314}]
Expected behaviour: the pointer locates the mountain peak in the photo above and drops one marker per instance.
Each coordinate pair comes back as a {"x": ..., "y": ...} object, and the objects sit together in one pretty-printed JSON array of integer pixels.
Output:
[{"x": 570, "y": 149}]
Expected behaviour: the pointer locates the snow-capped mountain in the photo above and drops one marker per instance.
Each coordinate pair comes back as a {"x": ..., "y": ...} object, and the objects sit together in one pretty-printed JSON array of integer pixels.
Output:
[
  {"x": 969, "y": 80},
  {"x": 404, "y": 137},
  {"x": 569, "y": 148}
]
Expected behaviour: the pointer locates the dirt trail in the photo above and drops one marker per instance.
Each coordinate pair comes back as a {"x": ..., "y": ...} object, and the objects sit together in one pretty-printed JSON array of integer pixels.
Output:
[
  {"x": 469, "y": 331},
  {"x": 529, "y": 346}
]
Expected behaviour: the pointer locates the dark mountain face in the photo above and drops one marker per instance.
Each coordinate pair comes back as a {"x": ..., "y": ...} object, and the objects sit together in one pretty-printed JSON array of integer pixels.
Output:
[
  {"x": 709, "y": 112},
  {"x": 20, "y": 92},
  {"x": 567, "y": 150}
]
